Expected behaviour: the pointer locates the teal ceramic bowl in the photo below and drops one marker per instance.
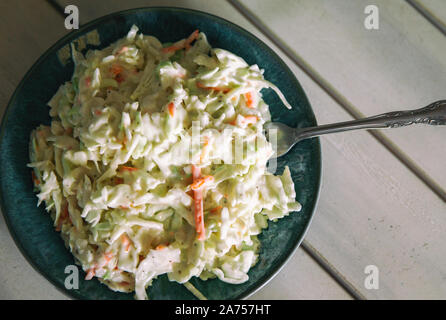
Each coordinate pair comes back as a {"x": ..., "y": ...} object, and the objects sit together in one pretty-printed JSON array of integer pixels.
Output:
[{"x": 31, "y": 227}]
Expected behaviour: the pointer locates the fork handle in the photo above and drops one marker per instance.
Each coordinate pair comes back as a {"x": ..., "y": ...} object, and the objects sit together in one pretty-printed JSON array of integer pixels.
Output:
[{"x": 433, "y": 114}]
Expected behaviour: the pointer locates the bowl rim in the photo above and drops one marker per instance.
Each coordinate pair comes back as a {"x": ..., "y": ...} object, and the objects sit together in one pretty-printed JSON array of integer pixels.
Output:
[{"x": 83, "y": 29}]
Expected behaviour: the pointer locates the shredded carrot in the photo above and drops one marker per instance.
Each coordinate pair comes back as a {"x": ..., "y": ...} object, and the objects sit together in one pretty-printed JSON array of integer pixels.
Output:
[
  {"x": 217, "y": 209},
  {"x": 116, "y": 69},
  {"x": 196, "y": 172},
  {"x": 190, "y": 39},
  {"x": 122, "y": 50},
  {"x": 198, "y": 203},
  {"x": 63, "y": 216},
  {"x": 199, "y": 219},
  {"x": 250, "y": 119},
  {"x": 202, "y": 86},
  {"x": 90, "y": 273},
  {"x": 173, "y": 48},
  {"x": 171, "y": 108},
  {"x": 249, "y": 100},
  {"x": 245, "y": 120},
  {"x": 108, "y": 256},
  {"x": 35, "y": 180},
  {"x": 88, "y": 82},
  {"x": 160, "y": 247},
  {"x": 201, "y": 182},
  {"x": 125, "y": 168},
  {"x": 126, "y": 242},
  {"x": 181, "y": 44}
]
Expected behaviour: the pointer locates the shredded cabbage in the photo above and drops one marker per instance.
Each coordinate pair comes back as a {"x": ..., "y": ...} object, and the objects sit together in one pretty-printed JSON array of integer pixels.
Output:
[{"x": 114, "y": 166}]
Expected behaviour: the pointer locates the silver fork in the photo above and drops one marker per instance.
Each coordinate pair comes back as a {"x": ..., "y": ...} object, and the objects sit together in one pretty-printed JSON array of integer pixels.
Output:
[{"x": 287, "y": 137}]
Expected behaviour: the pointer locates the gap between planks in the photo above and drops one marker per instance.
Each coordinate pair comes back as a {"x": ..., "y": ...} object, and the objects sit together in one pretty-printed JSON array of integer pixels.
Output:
[
  {"x": 355, "y": 113},
  {"x": 307, "y": 247},
  {"x": 340, "y": 99},
  {"x": 331, "y": 270},
  {"x": 428, "y": 15},
  {"x": 58, "y": 7}
]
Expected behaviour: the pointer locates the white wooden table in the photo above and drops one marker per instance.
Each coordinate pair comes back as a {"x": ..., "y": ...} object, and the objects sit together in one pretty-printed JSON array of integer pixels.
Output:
[{"x": 383, "y": 198}]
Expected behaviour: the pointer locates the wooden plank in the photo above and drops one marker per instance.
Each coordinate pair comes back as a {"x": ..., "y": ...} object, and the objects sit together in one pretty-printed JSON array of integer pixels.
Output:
[
  {"x": 27, "y": 35},
  {"x": 436, "y": 9},
  {"x": 399, "y": 66},
  {"x": 18, "y": 280},
  {"x": 27, "y": 29},
  {"x": 24, "y": 38},
  {"x": 301, "y": 278},
  {"x": 373, "y": 210}
]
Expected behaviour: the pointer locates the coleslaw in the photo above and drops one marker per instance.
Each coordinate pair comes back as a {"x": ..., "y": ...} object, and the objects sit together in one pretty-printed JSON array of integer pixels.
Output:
[{"x": 138, "y": 168}]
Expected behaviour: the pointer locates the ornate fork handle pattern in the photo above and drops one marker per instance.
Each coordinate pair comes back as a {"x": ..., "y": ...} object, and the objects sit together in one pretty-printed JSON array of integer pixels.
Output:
[{"x": 433, "y": 114}]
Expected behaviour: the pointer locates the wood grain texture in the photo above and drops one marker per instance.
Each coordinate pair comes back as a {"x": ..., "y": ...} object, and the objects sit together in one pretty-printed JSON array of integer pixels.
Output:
[
  {"x": 436, "y": 8},
  {"x": 18, "y": 280},
  {"x": 372, "y": 209},
  {"x": 301, "y": 278},
  {"x": 27, "y": 30},
  {"x": 400, "y": 66},
  {"x": 24, "y": 37}
]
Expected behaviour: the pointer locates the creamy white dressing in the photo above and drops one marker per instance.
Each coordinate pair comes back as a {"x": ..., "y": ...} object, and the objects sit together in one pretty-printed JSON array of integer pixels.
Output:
[{"x": 114, "y": 167}]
